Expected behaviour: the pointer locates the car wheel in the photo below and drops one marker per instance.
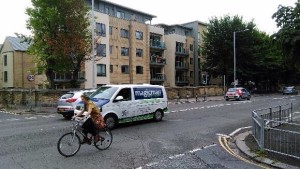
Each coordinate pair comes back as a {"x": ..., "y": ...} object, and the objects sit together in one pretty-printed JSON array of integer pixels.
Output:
[
  {"x": 111, "y": 121},
  {"x": 157, "y": 115},
  {"x": 67, "y": 117}
]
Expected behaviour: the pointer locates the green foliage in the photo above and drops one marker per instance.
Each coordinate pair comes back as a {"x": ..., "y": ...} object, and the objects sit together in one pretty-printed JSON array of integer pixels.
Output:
[
  {"x": 288, "y": 38},
  {"x": 61, "y": 38},
  {"x": 256, "y": 55}
]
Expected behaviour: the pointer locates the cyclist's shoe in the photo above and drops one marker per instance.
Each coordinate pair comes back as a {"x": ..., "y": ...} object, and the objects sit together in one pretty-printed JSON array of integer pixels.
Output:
[
  {"x": 98, "y": 138},
  {"x": 86, "y": 140}
]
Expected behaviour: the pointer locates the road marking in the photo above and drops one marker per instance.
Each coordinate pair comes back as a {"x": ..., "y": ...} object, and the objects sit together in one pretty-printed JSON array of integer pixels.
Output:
[
  {"x": 29, "y": 118},
  {"x": 238, "y": 130},
  {"x": 176, "y": 156},
  {"x": 12, "y": 119}
]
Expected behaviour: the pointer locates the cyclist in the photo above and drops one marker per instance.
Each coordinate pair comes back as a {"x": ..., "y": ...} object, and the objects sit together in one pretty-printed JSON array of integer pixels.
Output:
[{"x": 93, "y": 123}]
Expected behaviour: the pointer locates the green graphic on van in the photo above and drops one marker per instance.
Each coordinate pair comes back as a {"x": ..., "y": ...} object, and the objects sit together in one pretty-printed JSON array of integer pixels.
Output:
[{"x": 137, "y": 118}]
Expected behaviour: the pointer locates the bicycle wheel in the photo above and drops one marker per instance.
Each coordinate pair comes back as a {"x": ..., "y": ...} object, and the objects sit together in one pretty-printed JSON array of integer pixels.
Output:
[
  {"x": 68, "y": 144},
  {"x": 105, "y": 139}
]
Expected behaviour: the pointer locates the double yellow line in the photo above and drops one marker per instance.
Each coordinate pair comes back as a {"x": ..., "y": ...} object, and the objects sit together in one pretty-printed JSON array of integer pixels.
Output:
[{"x": 224, "y": 144}]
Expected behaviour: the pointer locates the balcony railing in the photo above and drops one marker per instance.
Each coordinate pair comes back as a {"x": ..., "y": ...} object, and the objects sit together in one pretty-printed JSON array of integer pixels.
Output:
[
  {"x": 181, "y": 65},
  {"x": 182, "y": 80},
  {"x": 182, "y": 52},
  {"x": 67, "y": 77},
  {"x": 157, "y": 60},
  {"x": 158, "y": 77},
  {"x": 157, "y": 44}
]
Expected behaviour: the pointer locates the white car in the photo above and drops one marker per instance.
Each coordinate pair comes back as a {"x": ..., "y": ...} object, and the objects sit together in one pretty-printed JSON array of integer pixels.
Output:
[{"x": 67, "y": 102}]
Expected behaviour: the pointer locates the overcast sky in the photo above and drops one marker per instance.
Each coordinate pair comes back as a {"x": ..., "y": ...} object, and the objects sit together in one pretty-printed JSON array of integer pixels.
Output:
[{"x": 13, "y": 17}]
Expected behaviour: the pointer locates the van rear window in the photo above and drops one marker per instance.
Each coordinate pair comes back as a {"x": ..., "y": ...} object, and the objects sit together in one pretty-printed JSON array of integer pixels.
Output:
[{"x": 147, "y": 93}]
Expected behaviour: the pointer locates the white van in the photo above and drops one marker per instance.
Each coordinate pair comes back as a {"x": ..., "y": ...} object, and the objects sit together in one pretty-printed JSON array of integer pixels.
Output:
[{"x": 127, "y": 103}]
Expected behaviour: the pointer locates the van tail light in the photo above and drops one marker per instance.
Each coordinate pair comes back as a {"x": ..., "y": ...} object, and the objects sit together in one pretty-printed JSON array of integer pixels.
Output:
[{"x": 71, "y": 100}]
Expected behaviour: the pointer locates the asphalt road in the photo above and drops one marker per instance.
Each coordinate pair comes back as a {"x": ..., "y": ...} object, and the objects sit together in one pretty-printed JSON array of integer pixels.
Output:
[{"x": 186, "y": 138}]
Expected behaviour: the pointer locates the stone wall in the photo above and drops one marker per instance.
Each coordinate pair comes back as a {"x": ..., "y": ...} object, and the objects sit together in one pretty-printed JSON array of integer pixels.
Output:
[{"x": 45, "y": 97}]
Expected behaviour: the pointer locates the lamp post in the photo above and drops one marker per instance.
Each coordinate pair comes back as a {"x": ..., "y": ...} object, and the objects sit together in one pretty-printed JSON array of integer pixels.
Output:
[
  {"x": 234, "y": 58},
  {"x": 93, "y": 48}
]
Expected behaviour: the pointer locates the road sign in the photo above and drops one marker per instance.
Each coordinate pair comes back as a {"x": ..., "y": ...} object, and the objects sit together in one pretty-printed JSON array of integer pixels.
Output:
[{"x": 30, "y": 78}]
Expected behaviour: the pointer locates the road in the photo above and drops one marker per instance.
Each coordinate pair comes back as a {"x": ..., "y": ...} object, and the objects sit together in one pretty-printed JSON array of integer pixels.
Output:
[{"x": 186, "y": 138}]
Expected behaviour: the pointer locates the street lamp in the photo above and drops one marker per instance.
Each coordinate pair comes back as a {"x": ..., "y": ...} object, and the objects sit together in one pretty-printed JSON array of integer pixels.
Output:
[
  {"x": 93, "y": 52},
  {"x": 234, "y": 58}
]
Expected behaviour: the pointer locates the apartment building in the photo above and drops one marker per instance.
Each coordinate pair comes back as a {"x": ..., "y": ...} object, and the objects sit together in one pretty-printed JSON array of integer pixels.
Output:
[
  {"x": 122, "y": 49},
  {"x": 17, "y": 65}
]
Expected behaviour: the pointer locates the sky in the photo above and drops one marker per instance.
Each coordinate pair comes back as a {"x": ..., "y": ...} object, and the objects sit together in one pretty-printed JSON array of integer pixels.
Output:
[{"x": 13, "y": 17}]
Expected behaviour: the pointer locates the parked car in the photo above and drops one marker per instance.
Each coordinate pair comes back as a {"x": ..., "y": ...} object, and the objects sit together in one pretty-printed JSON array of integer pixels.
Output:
[
  {"x": 67, "y": 102},
  {"x": 289, "y": 90},
  {"x": 238, "y": 93}
]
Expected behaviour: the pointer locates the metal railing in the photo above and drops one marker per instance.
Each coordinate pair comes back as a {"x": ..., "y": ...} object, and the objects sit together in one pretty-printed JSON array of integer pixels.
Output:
[{"x": 274, "y": 132}]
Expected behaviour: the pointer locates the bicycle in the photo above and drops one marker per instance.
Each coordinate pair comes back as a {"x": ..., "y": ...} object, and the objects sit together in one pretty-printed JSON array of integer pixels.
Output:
[{"x": 69, "y": 143}]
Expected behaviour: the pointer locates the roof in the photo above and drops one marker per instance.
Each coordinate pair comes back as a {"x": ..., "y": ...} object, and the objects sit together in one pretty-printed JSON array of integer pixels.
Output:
[
  {"x": 137, "y": 11},
  {"x": 17, "y": 44},
  {"x": 199, "y": 22}
]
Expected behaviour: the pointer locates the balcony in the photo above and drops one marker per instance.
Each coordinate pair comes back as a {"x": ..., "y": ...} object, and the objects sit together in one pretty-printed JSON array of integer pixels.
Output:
[
  {"x": 157, "y": 45},
  {"x": 182, "y": 52},
  {"x": 182, "y": 80},
  {"x": 157, "y": 60},
  {"x": 67, "y": 77},
  {"x": 181, "y": 65},
  {"x": 158, "y": 77}
]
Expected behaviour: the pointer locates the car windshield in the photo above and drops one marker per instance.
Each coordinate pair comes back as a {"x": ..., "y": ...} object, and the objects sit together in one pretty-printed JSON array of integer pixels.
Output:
[
  {"x": 105, "y": 92},
  {"x": 288, "y": 88},
  {"x": 231, "y": 90}
]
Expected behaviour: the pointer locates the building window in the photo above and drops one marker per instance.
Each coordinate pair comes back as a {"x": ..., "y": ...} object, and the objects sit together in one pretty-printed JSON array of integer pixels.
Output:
[
  {"x": 192, "y": 74},
  {"x": 111, "y": 68},
  {"x": 139, "y": 52},
  {"x": 199, "y": 37},
  {"x": 5, "y": 60},
  {"x": 124, "y": 33},
  {"x": 124, "y": 51},
  {"x": 180, "y": 47},
  {"x": 100, "y": 28},
  {"x": 106, "y": 10},
  {"x": 110, "y": 49},
  {"x": 5, "y": 76},
  {"x": 125, "y": 69},
  {"x": 139, "y": 35},
  {"x": 139, "y": 69},
  {"x": 101, "y": 70},
  {"x": 120, "y": 14},
  {"x": 191, "y": 61},
  {"x": 101, "y": 50},
  {"x": 110, "y": 30},
  {"x": 191, "y": 47}
]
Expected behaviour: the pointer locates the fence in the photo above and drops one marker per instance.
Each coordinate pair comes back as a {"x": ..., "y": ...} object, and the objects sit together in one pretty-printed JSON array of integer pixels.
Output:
[{"x": 274, "y": 132}]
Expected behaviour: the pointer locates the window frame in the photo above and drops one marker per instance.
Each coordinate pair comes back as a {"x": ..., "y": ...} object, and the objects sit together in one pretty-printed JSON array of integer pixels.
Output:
[
  {"x": 139, "y": 35},
  {"x": 139, "y": 52},
  {"x": 139, "y": 70},
  {"x": 101, "y": 51},
  {"x": 124, "y": 51},
  {"x": 126, "y": 69},
  {"x": 101, "y": 73},
  {"x": 124, "y": 33},
  {"x": 100, "y": 29}
]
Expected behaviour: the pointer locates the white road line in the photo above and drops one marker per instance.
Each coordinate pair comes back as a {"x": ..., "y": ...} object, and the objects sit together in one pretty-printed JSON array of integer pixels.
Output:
[
  {"x": 29, "y": 118},
  {"x": 209, "y": 146},
  {"x": 239, "y": 129},
  {"x": 12, "y": 119},
  {"x": 151, "y": 164},
  {"x": 192, "y": 151},
  {"x": 176, "y": 156}
]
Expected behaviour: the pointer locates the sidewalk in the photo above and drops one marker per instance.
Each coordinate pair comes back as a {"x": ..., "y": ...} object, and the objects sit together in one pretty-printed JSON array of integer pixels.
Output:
[{"x": 247, "y": 145}]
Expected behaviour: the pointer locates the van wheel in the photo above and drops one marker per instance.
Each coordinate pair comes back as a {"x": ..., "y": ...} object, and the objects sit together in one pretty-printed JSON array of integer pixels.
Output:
[
  {"x": 111, "y": 122},
  {"x": 157, "y": 115}
]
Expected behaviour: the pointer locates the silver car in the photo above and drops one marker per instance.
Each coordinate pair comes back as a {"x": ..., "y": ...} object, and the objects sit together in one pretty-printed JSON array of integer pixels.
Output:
[{"x": 67, "y": 102}]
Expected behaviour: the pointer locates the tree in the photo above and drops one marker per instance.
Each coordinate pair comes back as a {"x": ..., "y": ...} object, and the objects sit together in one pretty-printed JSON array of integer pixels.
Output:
[
  {"x": 256, "y": 55},
  {"x": 61, "y": 38},
  {"x": 288, "y": 37}
]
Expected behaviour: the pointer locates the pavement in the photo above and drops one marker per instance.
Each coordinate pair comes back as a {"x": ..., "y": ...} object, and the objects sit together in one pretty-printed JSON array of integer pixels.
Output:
[{"x": 244, "y": 141}]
